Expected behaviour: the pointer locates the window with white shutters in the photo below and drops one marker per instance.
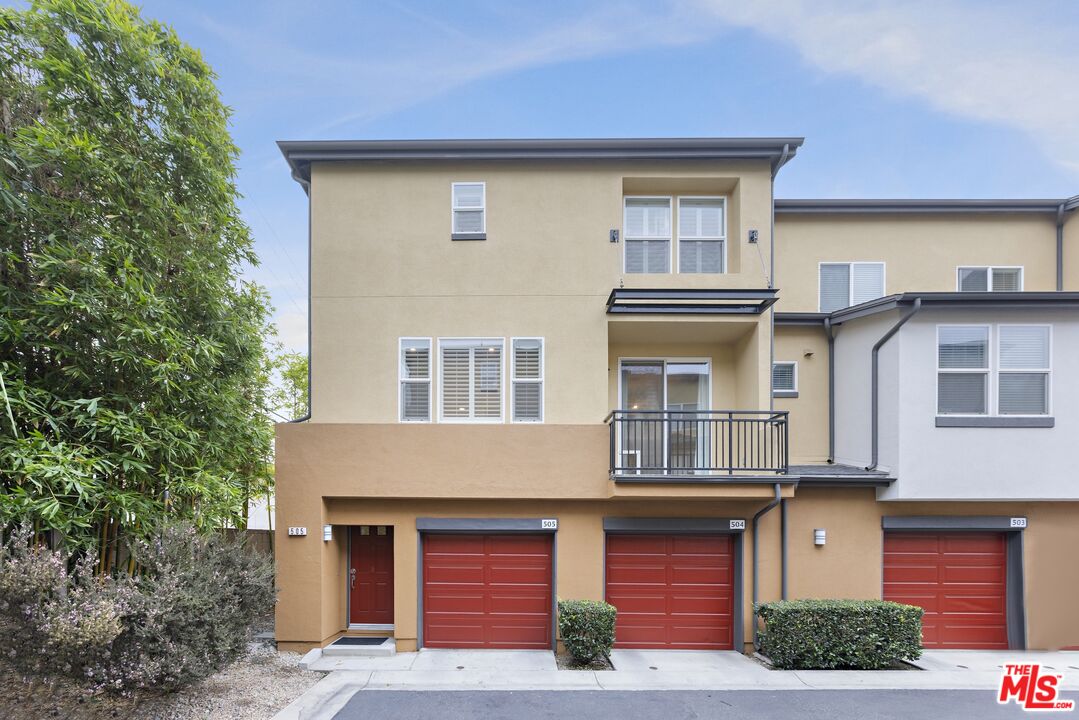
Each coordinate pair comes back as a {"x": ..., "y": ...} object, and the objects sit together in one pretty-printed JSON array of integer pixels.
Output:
[
  {"x": 985, "y": 278},
  {"x": 962, "y": 369},
  {"x": 785, "y": 376},
  {"x": 415, "y": 380},
  {"x": 527, "y": 380},
  {"x": 1023, "y": 370},
  {"x": 846, "y": 284},
  {"x": 702, "y": 235},
  {"x": 469, "y": 209},
  {"x": 647, "y": 223},
  {"x": 471, "y": 379}
]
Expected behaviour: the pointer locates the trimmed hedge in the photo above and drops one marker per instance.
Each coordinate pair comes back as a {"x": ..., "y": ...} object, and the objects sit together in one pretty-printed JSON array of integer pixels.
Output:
[
  {"x": 587, "y": 628},
  {"x": 839, "y": 634}
]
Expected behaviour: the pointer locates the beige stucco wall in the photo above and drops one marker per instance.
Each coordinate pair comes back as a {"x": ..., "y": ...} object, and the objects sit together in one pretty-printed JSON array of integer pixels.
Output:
[
  {"x": 383, "y": 267},
  {"x": 808, "y": 419},
  {"x": 920, "y": 252},
  {"x": 311, "y": 578}
]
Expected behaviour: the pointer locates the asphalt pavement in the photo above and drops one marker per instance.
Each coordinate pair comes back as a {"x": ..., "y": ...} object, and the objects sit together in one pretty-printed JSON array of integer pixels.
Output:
[{"x": 682, "y": 705}]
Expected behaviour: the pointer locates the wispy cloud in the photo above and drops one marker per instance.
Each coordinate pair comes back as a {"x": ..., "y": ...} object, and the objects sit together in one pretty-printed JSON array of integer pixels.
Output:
[
  {"x": 1009, "y": 64},
  {"x": 441, "y": 56}
]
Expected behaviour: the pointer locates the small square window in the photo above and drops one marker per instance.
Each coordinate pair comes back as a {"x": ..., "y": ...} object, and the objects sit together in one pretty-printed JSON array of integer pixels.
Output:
[{"x": 784, "y": 377}]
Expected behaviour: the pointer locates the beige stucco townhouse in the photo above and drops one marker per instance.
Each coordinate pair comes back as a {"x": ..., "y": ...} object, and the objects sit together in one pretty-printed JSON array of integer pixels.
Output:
[{"x": 623, "y": 370}]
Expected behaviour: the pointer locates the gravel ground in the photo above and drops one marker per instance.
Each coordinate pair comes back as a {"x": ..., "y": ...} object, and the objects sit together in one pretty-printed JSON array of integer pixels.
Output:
[{"x": 253, "y": 688}]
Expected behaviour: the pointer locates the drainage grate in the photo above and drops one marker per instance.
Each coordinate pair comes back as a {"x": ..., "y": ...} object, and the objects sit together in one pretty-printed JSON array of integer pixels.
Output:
[{"x": 359, "y": 641}]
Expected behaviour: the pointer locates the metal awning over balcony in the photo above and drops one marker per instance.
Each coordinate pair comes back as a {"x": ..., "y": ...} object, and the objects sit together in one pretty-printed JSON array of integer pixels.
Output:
[
  {"x": 689, "y": 302},
  {"x": 698, "y": 445}
]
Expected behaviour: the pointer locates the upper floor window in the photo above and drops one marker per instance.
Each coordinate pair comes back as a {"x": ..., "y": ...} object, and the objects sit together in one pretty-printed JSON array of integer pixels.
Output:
[
  {"x": 983, "y": 279},
  {"x": 702, "y": 235},
  {"x": 784, "y": 377},
  {"x": 469, "y": 210},
  {"x": 970, "y": 381},
  {"x": 471, "y": 379},
  {"x": 414, "y": 376},
  {"x": 527, "y": 380},
  {"x": 647, "y": 243},
  {"x": 846, "y": 284}
]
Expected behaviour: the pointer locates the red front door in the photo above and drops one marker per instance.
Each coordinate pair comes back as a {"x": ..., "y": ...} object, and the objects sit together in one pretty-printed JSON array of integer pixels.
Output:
[{"x": 371, "y": 575}]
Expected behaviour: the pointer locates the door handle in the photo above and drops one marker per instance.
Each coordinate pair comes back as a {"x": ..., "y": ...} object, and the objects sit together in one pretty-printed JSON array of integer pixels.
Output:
[{"x": 352, "y": 579}]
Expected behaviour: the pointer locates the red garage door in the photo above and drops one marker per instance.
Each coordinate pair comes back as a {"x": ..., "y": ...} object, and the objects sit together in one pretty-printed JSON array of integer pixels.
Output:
[
  {"x": 487, "y": 591},
  {"x": 960, "y": 581},
  {"x": 671, "y": 591}
]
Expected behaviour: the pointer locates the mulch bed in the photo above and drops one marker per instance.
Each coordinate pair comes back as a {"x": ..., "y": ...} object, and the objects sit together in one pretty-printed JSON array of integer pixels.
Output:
[{"x": 566, "y": 662}]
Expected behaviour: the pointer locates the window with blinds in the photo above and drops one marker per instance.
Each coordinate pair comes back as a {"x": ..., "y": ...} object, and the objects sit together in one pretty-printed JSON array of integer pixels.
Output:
[
  {"x": 962, "y": 369},
  {"x": 702, "y": 235},
  {"x": 983, "y": 279},
  {"x": 415, "y": 380},
  {"x": 471, "y": 379},
  {"x": 846, "y": 284},
  {"x": 784, "y": 376},
  {"x": 647, "y": 245},
  {"x": 1023, "y": 370},
  {"x": 469, "y": 208},
  {"x": 527, "y": 380}
]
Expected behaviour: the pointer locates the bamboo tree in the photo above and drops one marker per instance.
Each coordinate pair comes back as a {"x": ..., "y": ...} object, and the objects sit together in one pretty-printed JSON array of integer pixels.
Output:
[{"x": 132, "y": 351}]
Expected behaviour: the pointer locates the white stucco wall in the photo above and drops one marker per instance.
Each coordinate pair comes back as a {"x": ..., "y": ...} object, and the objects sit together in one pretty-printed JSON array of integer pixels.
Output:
[
  {"x": 853, "y": 369},
  {"x": 977, "y": 463}
]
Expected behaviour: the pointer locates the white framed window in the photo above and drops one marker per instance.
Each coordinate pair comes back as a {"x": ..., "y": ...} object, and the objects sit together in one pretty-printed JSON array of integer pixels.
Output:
[
  {"x": 646, "y": 226},
  {"x": 526, "y": 377},
  {"x": 1023, "y": 368},
  {"x": 414, "y": 378},
  {"x": 974, "y": 380},
  {"x": 470, "y": 387},
  {"x": 986, "y": 277},
  {"x": 702, "y": 234},
  {"x": 849, "y": 283},
  {"x": 785, "y": 376},
  {"x": 469, "y": 209},
  {"x": 962, "y": 369}
]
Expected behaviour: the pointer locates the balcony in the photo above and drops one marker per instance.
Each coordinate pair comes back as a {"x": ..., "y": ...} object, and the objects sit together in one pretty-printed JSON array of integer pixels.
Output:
[{"x": 697, "y": 445}]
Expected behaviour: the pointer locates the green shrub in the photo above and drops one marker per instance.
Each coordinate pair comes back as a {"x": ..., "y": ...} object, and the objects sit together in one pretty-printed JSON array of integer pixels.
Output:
[
  {"x": 849, "y": 634},
  {"x": 183, "y": 619},
  {"x": 587, "y": 628}
]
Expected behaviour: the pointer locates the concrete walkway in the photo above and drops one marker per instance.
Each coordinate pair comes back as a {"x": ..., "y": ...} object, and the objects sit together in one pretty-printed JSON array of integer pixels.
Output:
[{"x": 644, "y": 670}]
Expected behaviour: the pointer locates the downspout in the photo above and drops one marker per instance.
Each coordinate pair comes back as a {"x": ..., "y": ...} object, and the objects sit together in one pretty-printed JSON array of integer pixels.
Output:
[
  {"x": 875, "y": 385},
  {"x": 756, "y": 562},
  {"x": 829, "y": 332},
  {"x": 306, "y": 185},
  {"x": 783, "y": 549}
]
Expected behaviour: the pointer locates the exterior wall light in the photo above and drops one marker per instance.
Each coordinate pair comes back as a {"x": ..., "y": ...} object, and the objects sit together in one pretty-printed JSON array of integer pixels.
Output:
[
  {"x": 327, "y": 533},
  {"x": 819, "y": 536}
]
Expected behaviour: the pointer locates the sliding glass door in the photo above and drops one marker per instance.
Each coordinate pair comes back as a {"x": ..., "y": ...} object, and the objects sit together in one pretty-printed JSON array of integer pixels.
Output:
[{"x": 662, "y": 398}]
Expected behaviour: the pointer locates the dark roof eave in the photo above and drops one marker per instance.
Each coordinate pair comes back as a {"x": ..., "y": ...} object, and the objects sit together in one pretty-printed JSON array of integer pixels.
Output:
[
  {"x": 301, "y": 153},
  {"x": 958, "y": 206},
  {"x": 965, "y": 300}
]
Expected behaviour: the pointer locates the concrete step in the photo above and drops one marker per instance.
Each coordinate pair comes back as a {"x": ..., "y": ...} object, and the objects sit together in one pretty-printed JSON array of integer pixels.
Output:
[{"x": 360, "y": 647}]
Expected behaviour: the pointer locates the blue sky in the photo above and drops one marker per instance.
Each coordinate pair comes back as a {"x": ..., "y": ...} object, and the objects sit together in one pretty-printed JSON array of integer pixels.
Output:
[{"x": 941, "y": 98}]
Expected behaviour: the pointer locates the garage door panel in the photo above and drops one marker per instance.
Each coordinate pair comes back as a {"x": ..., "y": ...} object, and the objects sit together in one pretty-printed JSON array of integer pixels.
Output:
[
  {"x": 676, "y": 595},
  {"x": 637, "y": 544},
  {"x": 717, "y": 546},
  {"x": 487, "y": 591},
  {"x": 637, "y": 575},
  {"x": 959, "y": 579}
]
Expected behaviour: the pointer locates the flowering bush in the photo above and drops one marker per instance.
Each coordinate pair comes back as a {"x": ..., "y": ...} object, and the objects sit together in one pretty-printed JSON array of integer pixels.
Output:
[{"x": 183, "y": 618}]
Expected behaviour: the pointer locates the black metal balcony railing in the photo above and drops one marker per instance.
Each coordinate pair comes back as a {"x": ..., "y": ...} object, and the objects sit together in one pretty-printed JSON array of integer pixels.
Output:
[{"x": 698, "y": 442}]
